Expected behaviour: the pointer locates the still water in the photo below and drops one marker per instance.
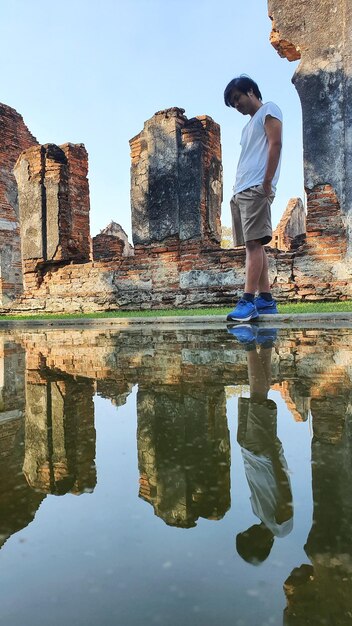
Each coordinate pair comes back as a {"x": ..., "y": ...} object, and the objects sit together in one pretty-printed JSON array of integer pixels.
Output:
[{"x": 178, "y": 477}]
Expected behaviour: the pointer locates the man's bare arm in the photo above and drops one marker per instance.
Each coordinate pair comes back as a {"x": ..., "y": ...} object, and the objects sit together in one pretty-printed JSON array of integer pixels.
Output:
[{"x": 273, "y": 130}]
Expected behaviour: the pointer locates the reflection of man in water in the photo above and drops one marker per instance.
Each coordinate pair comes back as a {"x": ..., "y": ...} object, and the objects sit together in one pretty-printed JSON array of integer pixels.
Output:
[{"x": 262, "y": 452}]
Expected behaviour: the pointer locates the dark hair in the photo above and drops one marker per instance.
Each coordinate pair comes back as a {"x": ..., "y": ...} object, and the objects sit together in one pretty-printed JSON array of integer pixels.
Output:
[
  {"x": 254, "y": 545},
  {"x": 243, "y": 84}
]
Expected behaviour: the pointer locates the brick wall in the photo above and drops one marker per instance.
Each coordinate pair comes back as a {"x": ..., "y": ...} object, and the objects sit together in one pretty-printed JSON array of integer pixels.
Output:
[
  {"x": 326, "y": 225},
  {"x": 178, "y": 261},
  {"x": 14, "y": 138},
  {"x": 291, "y": 225},
  {"x": 107, "y": 247}
]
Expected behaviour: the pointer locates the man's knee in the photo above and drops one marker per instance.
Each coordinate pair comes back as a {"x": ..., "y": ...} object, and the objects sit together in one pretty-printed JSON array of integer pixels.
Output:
[{"x": 254, "y": 244}]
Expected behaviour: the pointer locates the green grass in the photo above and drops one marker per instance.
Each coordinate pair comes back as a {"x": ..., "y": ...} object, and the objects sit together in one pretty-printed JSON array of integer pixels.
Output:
[
  {"x": 317, "y": 307},
  {"x": 306, "y": 307}
]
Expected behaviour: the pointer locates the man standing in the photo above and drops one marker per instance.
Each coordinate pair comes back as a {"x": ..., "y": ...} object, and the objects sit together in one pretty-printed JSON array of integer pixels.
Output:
[{"x": 254, "y": 191}]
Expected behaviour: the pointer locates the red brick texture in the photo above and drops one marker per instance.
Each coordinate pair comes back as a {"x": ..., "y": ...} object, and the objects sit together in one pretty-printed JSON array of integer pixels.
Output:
[
  {"x": 185, "y": 269},
  {"x": 107, "y": 247},
  {"x": 14, "y": 138},
  {"x": 326, "y": 227}
]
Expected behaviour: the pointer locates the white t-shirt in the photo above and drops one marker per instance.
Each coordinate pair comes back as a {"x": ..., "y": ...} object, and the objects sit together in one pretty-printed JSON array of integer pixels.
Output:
[
  {"x": 265, "y": 494},
  {"x": 254, "y": 154}
]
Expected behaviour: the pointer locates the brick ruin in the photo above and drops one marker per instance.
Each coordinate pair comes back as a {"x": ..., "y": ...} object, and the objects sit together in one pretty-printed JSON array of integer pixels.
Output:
[
  {"x": 176, "y": 195},
  {"x": 291, "y": 229},
  {"x": 15, "y": 137},
  {"x": 112, "y": 241},
  {"x": 53, "y": 207},
  {"x": 318, "y": 34}
]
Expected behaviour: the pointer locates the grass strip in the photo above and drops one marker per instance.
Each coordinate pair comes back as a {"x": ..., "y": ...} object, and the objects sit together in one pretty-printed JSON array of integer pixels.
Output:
[{"x": 302, "y": 307}]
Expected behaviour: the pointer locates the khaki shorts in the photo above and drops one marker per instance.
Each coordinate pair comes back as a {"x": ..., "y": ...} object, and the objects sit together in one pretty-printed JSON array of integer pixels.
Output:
[{"x": 251, "y": 216}]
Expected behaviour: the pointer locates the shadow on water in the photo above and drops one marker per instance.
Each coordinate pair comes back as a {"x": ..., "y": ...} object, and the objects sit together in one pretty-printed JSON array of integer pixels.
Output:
[{"x": 48, "y": 381}]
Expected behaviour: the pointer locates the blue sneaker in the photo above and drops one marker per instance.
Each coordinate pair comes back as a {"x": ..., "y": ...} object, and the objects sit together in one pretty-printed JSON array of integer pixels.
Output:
[
  {"x": 245, "y": 333},
  {"x": 265, "y": 307},
  {"x": 266, "y": 337},
  {"x": 243, "y": 312}
]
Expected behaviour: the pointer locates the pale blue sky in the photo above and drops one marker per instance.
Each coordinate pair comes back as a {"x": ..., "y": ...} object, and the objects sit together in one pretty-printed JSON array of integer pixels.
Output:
[{"x": 93, "y": 72}]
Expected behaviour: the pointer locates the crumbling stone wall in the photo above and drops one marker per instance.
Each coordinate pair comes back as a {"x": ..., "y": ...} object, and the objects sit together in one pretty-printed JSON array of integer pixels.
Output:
[
  {"x": 53, "y": 205},
  {"x": 291, "y": 225},
  {"x": 176, "y": 179},
  {"x": 177, "y": 262},
  {"x": 111, "y": 242},
  {"x": 176, "y": 200},
  {"x": 319, "y": 33},
  {"x": 107, "y": 247},
  {"x": 14, "y": 138},
  {"x": 176, "y": 190}
]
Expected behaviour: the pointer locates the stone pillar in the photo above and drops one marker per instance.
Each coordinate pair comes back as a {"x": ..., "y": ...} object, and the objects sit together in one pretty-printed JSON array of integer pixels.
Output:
[
  {"x": 54, "y": 204},
  {"x": 15, "y": 137},
  {"x": 176, "y": 179},
  {"x": 319, "y": 33}
]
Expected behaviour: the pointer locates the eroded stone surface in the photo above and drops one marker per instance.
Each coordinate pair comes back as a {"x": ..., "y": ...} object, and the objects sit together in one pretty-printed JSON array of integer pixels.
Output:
[
  {"x": 176, "y": 179},
  {"x": 176, "y": 196},
  {"x": 320, "y": 32},
  {"x": 112, "y": 241},
  {"x": 54, "y": 204},
  {"x": 14, "y": 138},
  {"x": 291, "y": 225}
]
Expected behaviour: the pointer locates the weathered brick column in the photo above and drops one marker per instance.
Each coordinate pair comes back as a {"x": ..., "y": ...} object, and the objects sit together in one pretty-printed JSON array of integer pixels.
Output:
[
  {"x": 54, "y": 206},
  {"x": 319, "y": 33},
  {"x": 14, "y": 138},
  {"x": 176, "y": 179},
  {"x": 78, "y": 235}
]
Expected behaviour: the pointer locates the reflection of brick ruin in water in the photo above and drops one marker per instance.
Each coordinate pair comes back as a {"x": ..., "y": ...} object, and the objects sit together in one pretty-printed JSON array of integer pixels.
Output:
[
  {"x": 47, "y": 433},
  {"x": 324, "y": 588},
  {"x": 47, "y": 436},
  {"x": 18, "y": 502},
  {"x": 184, "y": 452},
  {"x": 60, "y": 435},
  {"x": 176, "y": 192},
  {"x": 151, "y": 358}
]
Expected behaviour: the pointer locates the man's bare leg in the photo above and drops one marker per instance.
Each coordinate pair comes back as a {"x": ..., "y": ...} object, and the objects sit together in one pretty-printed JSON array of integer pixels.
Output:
[
  {"x": 263, "y": 283},
  {"x": 254, "y": 265}
]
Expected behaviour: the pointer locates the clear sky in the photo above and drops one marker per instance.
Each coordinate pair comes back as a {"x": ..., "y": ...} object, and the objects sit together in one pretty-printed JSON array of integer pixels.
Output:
[{"x": 93, "y": 72}]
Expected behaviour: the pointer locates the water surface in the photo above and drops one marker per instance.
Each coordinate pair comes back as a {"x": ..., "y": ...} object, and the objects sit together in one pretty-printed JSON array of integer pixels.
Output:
[{"x": 175, "y": 477}]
